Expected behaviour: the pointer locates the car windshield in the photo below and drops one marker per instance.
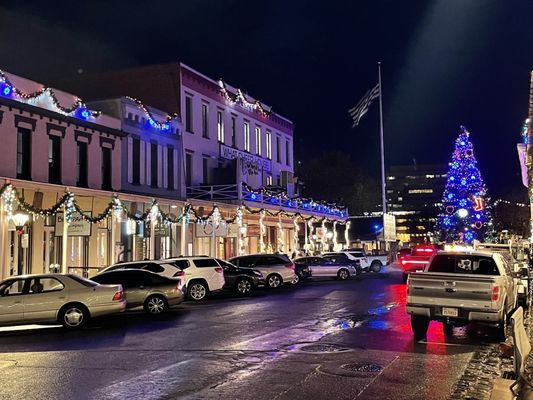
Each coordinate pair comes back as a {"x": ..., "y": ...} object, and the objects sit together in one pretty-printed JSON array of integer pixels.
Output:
[
  {"x": 83, "y": 281},
  {"x": 463, "y": 264}
]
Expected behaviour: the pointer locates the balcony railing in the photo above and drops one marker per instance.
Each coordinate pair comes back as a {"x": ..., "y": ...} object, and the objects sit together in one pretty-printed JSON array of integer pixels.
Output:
[{"x": 233, "y": 193}]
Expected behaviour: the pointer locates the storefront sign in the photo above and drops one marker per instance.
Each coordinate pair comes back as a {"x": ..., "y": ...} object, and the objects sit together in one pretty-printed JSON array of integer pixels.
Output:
[
  {"x": 207, "y": 230},
  {"x": 231, "y": 153},
  {"x": 389, "y": 228},
  {"x": 78, "y": 226}
]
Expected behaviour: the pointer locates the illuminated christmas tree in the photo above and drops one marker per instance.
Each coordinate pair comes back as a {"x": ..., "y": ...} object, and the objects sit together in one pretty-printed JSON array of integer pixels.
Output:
[{"x": 465, "y": 215}]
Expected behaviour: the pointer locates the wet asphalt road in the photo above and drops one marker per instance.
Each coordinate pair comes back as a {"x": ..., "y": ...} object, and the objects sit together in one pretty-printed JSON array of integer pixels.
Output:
[{"x": 320, "y": 340}]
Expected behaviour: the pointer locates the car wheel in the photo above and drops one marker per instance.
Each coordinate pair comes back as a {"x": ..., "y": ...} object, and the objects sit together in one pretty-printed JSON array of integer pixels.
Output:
[
  {"x": 155, "y": 305},
  {"x": 419, "y": 325},
  {"x": 343, "y": 274},
  {"x": 502, "y": 327},
  {"x": 274, "y": 281},
  {"x": 296, "y": 279},
  {"x": 375, "y": 266},
  {"x": 197, "y": 291},
  {"x": 73, "y": 316},
  {"x": 243, "y": 286}
]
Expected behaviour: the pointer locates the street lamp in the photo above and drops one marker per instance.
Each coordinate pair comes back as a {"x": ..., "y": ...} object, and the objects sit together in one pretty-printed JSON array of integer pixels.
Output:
[{"x": 20, "y": 218}]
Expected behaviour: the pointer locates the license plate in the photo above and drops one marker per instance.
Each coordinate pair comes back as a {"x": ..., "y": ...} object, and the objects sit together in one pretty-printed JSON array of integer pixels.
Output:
[{"x": 450, "y": 312}]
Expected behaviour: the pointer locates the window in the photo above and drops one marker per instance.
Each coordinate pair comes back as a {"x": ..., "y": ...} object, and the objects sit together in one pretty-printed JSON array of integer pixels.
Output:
[
  {"x": 54, "y": 159},
  {"x": 106, "y": 169},
  {"x": 136, "y": 161},
  {"x": 278, "y": 149},
  {"x": 153, "y": 164},
  {"x": 40, "y": 285},
  {"x": 181, "y": 264},
  {"x": 205, "y": 121},
  {"x": 269, "y": 145},
  {"x": 81, "y": 164},
  {"x": 188, "y": 169},
  {"x": 465, "y": 264},
  {"x": 206, "y": 262},
  {"x": 220, "y": 126},
  {"x": 205, "y": 170},
  {"x": 258, "y": 140},
  {"x": 23, "y": 153},
  {"x": 246, "y": 136},
  {"x": 233, "y": 130},
  {"x": 269, "y": 181},
  {"x": 153, "y": 267},
  {"x": 170, "y": 168},
  {"x": 12, "y": 287},
  {"x": 287, "y": 152},
  {"x": 188, "y": 114}
]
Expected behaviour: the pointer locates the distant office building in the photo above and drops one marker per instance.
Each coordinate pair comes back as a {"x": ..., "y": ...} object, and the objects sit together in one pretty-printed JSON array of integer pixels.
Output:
[{"x": 414, "y": 194}]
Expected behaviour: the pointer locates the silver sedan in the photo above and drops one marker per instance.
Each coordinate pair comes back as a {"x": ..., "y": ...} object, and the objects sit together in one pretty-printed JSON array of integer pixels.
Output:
[
  {"x": 324, "y": 267},
  {"x": 66, "y": 299}
]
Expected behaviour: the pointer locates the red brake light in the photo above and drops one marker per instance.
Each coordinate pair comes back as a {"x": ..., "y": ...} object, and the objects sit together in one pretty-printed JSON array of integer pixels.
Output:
[
  {"x": 118, "y": 295},
  {"x": 179, "y": 273},
  {"x": 290, "y": 266},
  {"x": 219, "y": 269},
  {"x": 495, "y": 293}
]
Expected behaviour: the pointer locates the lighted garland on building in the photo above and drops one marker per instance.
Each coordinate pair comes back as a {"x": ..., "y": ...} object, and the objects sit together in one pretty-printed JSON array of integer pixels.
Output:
[
  {"x": 164, "y": 126},
  {"x": 240, "y": 98},
  {"x": 78, "y": 109}
]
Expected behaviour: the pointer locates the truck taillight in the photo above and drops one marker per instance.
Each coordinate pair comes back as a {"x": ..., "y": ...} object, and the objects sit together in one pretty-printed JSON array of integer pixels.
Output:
[
  {"x": 495, "y": 293},
  {"x": 118, "y": 296}
]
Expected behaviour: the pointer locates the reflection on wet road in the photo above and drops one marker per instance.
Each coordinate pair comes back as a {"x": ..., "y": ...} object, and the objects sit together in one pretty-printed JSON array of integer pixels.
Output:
[{"x": 325, "y": 339}]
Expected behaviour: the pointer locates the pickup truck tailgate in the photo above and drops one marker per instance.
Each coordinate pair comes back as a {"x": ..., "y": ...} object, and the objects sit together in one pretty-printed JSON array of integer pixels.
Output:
[{"x": 451, "y": 290}]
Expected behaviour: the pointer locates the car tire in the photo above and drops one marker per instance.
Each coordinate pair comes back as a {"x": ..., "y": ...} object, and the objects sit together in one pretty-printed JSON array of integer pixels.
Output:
[
  {"x": 376, "y": 266},
  {"x": 501, "y": 330},
  {"x": 297, "y": 279},
  {"x": 73, "y": 316},
  {"x": 243, "y": 286},
  {"x": 273, "y": 281},
  {"x": 343, "y": 274},
  {"x": 155, "y": 305},
  {"x": 197, "y": 291},
  {"x": 419, "y": 325}
]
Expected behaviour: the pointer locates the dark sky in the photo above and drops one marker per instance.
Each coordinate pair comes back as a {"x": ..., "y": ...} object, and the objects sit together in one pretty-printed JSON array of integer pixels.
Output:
[{"x": 445, "y": 63}]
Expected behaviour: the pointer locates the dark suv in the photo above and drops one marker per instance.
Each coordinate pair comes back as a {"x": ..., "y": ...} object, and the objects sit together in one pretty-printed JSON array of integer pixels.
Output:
[{"x": 276, "y": 268}]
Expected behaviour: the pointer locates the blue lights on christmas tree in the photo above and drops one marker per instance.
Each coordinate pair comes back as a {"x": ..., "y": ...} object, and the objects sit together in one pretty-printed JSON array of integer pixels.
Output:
[{"x": 465, "y": 215}]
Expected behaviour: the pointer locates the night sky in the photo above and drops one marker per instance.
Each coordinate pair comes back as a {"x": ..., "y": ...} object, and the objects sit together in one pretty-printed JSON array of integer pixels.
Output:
[{"x": 445, "y": 63}]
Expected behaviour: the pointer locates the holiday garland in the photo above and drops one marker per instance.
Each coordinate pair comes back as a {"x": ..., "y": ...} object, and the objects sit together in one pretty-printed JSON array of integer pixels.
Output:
[
  {"x": 78, "y": 109},
  {"x": 165, "y": 126},
  {"x": 240, "y": 98},
  {"x": 10, "y": 194}
]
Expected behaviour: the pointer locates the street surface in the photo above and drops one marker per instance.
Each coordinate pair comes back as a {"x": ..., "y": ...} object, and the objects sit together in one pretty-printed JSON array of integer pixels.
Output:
[{"x": 321, "y": 340}]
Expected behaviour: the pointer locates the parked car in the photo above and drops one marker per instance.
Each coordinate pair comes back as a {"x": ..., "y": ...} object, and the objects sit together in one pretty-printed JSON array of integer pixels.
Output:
[
  {"x": 160, "y": 267},
  {"x": 302, "y": 272},
  {"x": 418, "y": 259},
  {"x": 402, "y": 253},
  {"x": 334, "y": 267},
  {"x": 145, "y": 290},
  {"x": 276, "y": 268},
  {"x": 201, "y": 275},
  {"x": 461, "y": 287},
  {"x": 66, "y": 299},
  {"x": 242, "y": 280},
  {"x": 369, "y": 262}
]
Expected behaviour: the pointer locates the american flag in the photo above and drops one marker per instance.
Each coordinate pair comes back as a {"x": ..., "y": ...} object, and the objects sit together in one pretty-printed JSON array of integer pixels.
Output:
[{"x": 361, "y": 108}]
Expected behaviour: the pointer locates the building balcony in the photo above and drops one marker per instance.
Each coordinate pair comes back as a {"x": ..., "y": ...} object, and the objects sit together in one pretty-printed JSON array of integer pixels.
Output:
[{"x": 238, "y": 194}]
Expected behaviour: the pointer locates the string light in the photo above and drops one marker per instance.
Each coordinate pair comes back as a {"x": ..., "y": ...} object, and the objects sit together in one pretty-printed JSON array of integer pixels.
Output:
[
  {"x": 262, "y": 232},
  {"x": 295, "y": 234},
  {"x": 240, "y": 98},
  {"x": 347, "y": 234},
  {"x": 163, "y": 126},
  {"x": 281, "y": 239},
  {"x": 46, "y": 95},
  {"x": 335, "y": 240}
]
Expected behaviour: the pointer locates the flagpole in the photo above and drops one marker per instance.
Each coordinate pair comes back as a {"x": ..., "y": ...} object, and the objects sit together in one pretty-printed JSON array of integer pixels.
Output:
[{"x": 383, "y": 192}]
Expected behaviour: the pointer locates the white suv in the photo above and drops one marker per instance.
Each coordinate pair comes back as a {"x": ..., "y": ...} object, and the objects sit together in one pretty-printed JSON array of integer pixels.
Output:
[
  {"x": 159, "y": 267},
  {"x": 201, "y": 274}
]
